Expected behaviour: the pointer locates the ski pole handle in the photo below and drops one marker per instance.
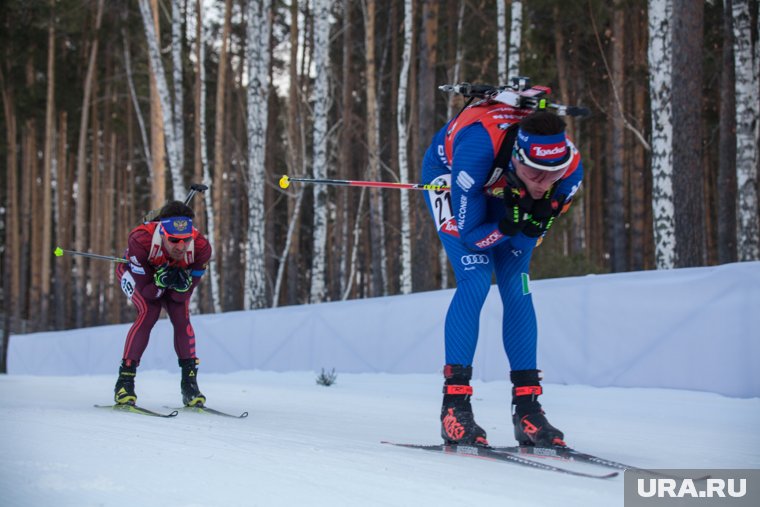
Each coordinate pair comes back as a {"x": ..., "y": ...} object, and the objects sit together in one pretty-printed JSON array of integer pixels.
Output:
[
  {"x": 285, "y": 183},
  {"x": 194, "y": 189},
  {"x": 58, "y": 252}
]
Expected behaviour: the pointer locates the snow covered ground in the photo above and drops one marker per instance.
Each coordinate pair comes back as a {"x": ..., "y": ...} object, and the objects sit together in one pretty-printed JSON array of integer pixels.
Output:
[{"x": 305, "y": 444}]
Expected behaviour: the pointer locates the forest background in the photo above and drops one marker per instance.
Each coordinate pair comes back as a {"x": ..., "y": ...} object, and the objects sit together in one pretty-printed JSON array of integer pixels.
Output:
[{"x": 111, "y": 108}]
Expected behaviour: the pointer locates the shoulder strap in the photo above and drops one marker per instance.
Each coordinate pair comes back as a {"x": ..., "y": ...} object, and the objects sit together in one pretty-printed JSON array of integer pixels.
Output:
[{"x": 505, "y": 150}]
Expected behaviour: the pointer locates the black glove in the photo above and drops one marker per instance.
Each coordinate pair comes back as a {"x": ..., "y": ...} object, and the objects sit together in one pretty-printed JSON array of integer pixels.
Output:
[
  {"x": 182, "y": 281},
  {"x": 173, "y": 277},
  {"x": 543, "y": 213},
  {"x": 518, "y": 203},
  {"x": 162, "y": 276}
]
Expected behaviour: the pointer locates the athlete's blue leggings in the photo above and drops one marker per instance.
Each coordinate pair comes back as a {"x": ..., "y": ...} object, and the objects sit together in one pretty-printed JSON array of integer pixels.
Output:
[{"x": 473, "y": 271}]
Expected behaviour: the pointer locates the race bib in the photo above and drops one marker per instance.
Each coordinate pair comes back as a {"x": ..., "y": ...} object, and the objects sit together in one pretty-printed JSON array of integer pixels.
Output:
[
  {"x": 443, "y": 211},
  {"x": 128, "y": 284}
]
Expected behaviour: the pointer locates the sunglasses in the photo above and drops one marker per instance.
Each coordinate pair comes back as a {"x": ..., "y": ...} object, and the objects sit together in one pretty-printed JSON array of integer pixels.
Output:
[{"x": 173, "y": 239}]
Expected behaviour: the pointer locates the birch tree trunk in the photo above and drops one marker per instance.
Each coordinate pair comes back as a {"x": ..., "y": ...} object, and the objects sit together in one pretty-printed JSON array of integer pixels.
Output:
[
  {"x": 82, "y": 198},
  {"x": 321, "y": 107},
  {"x": 501, "y": 41},
  {"x": 178, "y": 117},
  {"x": 747, "y": 118},
  {"x": 157, "y": 71},
  {"x": 202, "y": 155},
  {"x": 660, "y": 86},
  {"x": 258, "y": 56},
  {"x": 376, "y": 215},
  {"x": 48, "y": 169},
  {"x": 515, "y": 40},
  {"x": 405, "y": 282}
]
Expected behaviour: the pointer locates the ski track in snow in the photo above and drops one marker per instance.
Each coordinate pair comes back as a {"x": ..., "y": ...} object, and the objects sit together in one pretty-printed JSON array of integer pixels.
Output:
[{"x": 305, "y": 444}]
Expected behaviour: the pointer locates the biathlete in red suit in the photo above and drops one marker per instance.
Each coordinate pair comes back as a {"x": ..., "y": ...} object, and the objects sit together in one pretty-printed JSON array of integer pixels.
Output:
[{"x": 167, "y": 258}]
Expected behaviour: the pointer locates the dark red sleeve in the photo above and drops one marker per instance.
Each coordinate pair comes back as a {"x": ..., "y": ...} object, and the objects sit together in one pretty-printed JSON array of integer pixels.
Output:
[
  {"x": 142, "y": 271},
  {"x": 202, "y": 253}
]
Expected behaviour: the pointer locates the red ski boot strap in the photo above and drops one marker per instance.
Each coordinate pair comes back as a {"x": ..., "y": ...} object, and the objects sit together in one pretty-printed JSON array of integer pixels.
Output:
[
  {"x": 528, "y": 391},
  {"x": 452, "y": 389}
]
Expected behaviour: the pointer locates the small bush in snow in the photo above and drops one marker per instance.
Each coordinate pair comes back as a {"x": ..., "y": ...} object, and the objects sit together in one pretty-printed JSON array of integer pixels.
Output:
[{"x": 327, "y": 379}]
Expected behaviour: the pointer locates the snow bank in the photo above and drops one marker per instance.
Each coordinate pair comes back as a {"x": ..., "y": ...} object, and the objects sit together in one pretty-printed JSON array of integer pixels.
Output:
[{"x": 695, "y": 328}]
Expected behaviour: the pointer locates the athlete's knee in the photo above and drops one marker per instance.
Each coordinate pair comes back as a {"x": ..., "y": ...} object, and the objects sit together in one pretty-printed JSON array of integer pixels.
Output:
[{"x": 475, "y": 284}]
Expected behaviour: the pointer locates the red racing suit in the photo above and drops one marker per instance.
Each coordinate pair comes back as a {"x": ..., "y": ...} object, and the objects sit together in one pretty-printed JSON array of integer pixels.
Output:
[{"x": 146, "y": 254}]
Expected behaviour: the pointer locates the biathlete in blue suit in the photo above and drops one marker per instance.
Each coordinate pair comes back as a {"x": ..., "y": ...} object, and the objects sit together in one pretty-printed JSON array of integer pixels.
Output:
[{"x": 511, "y": 173}]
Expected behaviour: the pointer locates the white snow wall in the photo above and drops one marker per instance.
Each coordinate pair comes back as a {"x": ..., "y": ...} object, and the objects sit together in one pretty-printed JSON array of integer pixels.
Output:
[{"x": 695, "y": 328}]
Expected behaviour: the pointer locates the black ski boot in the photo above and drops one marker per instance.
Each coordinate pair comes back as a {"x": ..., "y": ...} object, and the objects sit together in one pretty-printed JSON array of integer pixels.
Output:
[
  {"x": 191, "y": 395},
  {"x": 458, "y": 424},
  {"x": 531, "y": 425},
  {"x": 124, "y": 392}
]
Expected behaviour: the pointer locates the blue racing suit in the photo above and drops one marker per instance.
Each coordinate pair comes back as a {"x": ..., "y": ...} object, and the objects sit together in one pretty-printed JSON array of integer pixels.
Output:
[{"x": 462, "y": 156}]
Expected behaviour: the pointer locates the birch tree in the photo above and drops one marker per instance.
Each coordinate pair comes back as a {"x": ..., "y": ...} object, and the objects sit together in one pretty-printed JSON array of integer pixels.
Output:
[
  {"x": 501, "y": 40},
  {"x": 405, "y": 283},
  {"x": 515, "y": 40},
  {"x": 660, "y": 83},
  {"x": 178, "y": 123},
  {"x": 747, "y": 65},
  {"x": 257, "y": 62},
  {"x": 157, "y": 71},
  {"x": 321, "y": 106}
]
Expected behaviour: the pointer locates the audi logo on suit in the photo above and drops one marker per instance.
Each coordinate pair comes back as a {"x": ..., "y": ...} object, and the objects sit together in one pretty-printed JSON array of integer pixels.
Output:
[{"x": 470, "y": 260}]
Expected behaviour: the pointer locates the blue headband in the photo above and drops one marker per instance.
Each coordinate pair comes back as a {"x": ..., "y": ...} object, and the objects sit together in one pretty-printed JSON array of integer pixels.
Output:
[
  {"x": 548, "y": 151},
  {"x": 177, "y": 226}
]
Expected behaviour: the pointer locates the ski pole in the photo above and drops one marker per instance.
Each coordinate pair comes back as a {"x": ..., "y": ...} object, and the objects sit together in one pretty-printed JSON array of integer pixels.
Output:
[
  {"x": 285, "y": 183},
  {"x": 58, "y": 252},
  {"x": 194, "y": 189}
]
